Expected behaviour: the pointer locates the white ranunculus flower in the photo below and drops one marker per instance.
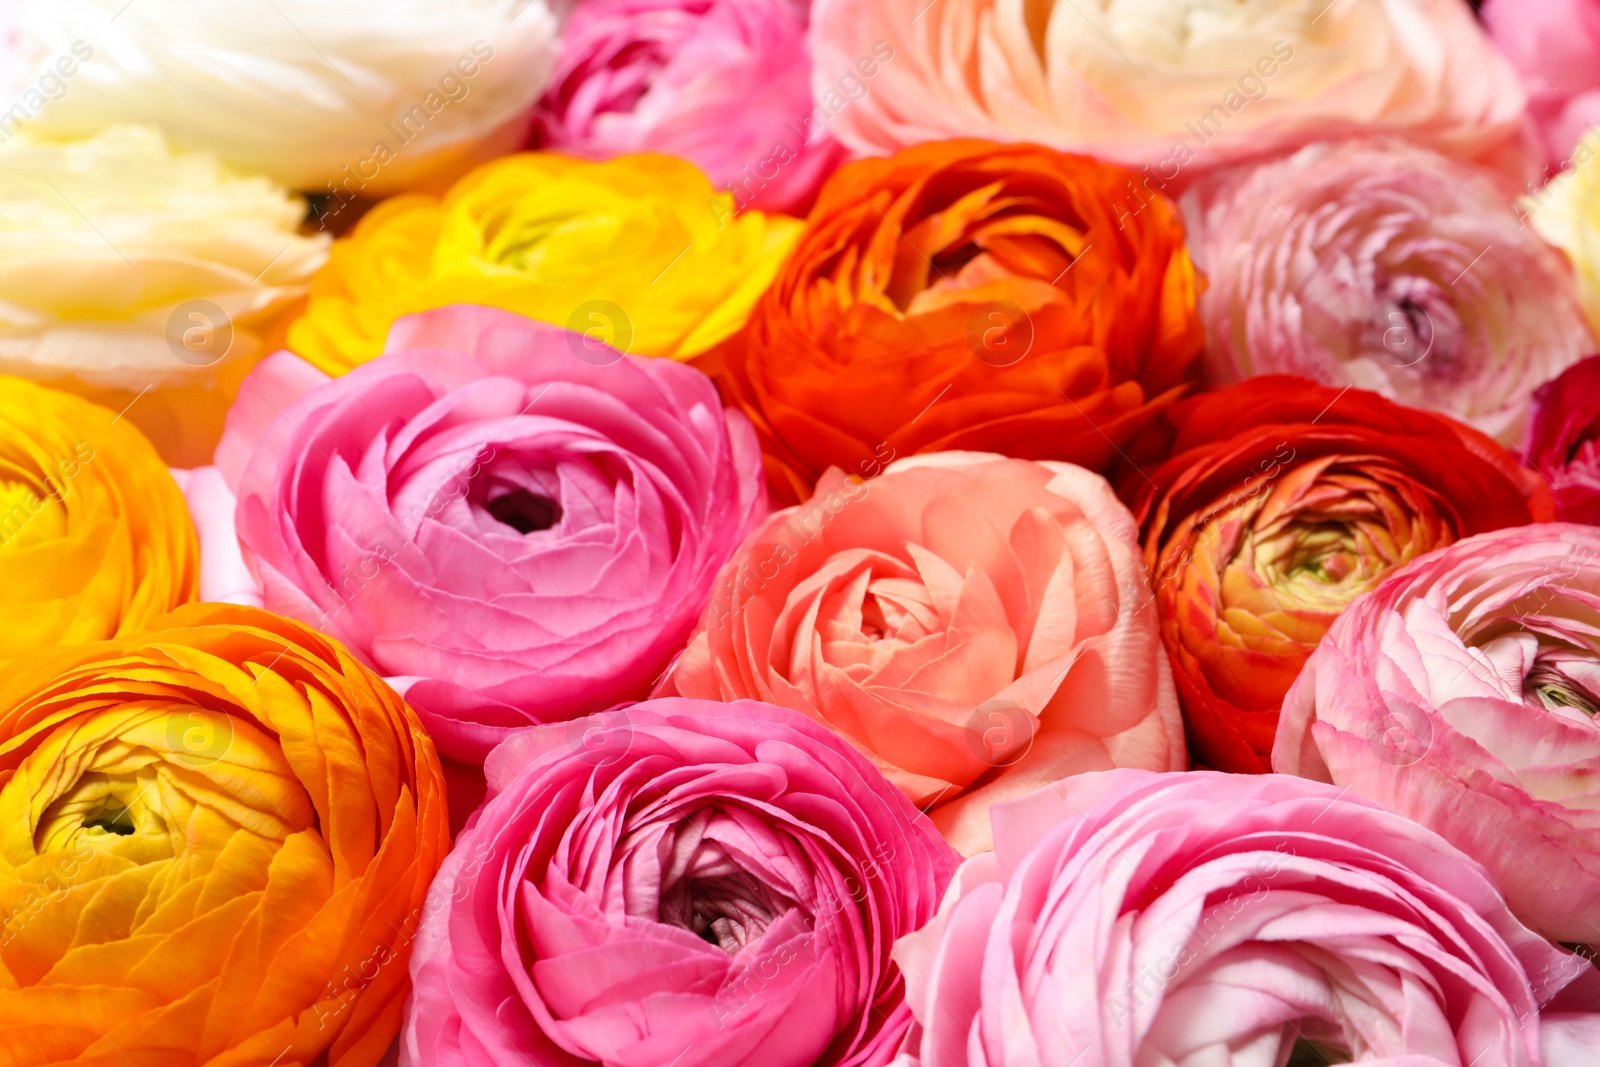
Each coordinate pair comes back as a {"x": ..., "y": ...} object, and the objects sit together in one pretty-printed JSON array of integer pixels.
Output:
[
  {"x": 1177, "y": 85},
  {"x": 369, "y": 95},
  {"x": 127, "y": 268}
]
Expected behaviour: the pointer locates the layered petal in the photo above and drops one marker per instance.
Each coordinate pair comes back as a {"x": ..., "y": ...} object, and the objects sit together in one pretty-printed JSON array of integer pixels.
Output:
[
  {"x": 1198, "y": 919},
  {"x": 1462, "y": 692},
  {"x": 966, "y": 295},
  {"x": 521, "y": 533},
  {"x": 975, "y": 625},
  {"x": 1278, "y": 504},
  {"x": 219, "y": 836},
  {"x": 681, "y": 882},
  {"x": 95, "y": 540}
]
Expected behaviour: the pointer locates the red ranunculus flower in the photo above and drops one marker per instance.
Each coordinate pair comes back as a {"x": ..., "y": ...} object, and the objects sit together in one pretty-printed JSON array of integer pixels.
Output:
[{"x": 1278, "y": 503}]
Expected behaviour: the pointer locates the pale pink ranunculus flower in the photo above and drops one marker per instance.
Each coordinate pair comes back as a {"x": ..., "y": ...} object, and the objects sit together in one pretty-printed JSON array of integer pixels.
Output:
[
  {"x": 513, "y": 525},
  {"x": 682, "y": 883},
  {"x": 1555, "y": 46},
  {"x": 1176, "y": 85},
  {"x": 726, "y": 84},
  {"x": 1384, "y": 266},
  {"x": 1129, "y": 919},
  {"x": 977, "y": 625},
  {"x": 1462, "y": 693}
]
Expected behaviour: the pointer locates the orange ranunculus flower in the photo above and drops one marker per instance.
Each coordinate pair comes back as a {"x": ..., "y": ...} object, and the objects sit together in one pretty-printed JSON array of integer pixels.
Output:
[
  {"x": 95, "y": 538},
  {"x": 215, "y": 843},
  {"x": 967, "y": 295}
]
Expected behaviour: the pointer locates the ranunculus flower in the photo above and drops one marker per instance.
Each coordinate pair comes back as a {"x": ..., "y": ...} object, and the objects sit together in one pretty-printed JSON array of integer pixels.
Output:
[
  {"x": 1555, "y": 46},
  {"x": 684, "y": 883},
  {"x": 129, "y": 271},
  {"x": 95, "y": 540},
  {"x": 1387, "y": 267},
  {"x": 967, "y": 295},
  {"x": 1463, "y": 693},
  {"x": 1564, "y": 440},
  {"x": 725, "y": 84},
  {"x": 976, "y": 625},
  {"x": 220, "y": 834},
  {"x": 639, "y": 253},
  {"x": 1201, "y": 919},
  {"x": 1567, "y": 214},
  {"x": 1176, "y": 85},
  {"x": 515, "y": 525},
  {"x": 322, "y": 96},
  {"x": 1281, "y": 502}
]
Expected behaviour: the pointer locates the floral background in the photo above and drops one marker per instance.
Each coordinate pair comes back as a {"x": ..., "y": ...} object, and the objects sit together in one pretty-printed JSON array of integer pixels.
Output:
[{"x": 810, "y": 533}]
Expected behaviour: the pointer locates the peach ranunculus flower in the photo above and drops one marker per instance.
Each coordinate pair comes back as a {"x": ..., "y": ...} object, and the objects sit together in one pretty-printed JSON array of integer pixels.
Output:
[
  {"x": 978, "y": 626},
  {"x": 638, "y": 254},
  {"x": 1174, "y": 84},
  {"x": 130, "y": 270},
  {"x": 219, "y": 836},
  {"x": 95, "y": 538}
]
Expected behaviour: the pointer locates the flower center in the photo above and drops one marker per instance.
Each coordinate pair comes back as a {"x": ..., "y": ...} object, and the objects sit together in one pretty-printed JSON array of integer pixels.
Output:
[
  {"x": 525, "y": 512},
  {"x": 1309, "y": 1053},
  {"x": 1548, "y": 687}
]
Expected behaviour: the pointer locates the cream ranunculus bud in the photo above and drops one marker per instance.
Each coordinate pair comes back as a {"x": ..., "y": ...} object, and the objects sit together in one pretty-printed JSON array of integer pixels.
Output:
[
  {"x": 1175, "y": 85},
  {"x": 128, "y": 269},
  {"x": 368, "y": 95},
  {"x": 1567, "y": 214}
]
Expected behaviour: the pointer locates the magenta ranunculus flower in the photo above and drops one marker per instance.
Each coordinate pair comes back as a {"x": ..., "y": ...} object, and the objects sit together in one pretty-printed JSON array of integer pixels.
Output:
[
  {"x": 725, "y": 84},
  {"x": 1462, "y": 692},
  {"x": 1555, "y": 46},
  {"x": 1564, "y": 440},
  {"x": 681, "y": 883},
  {"x": 516, "y": 526},
  {"x": 1129, "y": 919},
  {"x": 1384, "y": 266}
]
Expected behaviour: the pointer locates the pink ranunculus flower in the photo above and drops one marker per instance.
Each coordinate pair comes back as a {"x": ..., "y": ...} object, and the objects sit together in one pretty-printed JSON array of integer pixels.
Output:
[
  {"x": 1462, "y": 693},
  {"x": 678, "y": 884},
  {"x": 1384, "y": 266},
  {"x": 1178, "y": 86},
  {"x": 977, "y": 625},
  {"x": 1564, "y": 440},
  {"x": 1128, "y": 919},
  {"x": 725, "y": 84},
  {"x": 1555, "y": 46},
  {"x": 515, "y": 525}
]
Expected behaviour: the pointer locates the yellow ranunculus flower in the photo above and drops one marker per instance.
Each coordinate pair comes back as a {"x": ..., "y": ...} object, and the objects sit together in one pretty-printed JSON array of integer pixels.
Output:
[
  {"x": 95, "y": 538},
  {"x": 639, "y": 253},
  {"x": 216, "y": 842},
  {"x": 1567, "y": 214},
  {"x": 130, "y": 270}
]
